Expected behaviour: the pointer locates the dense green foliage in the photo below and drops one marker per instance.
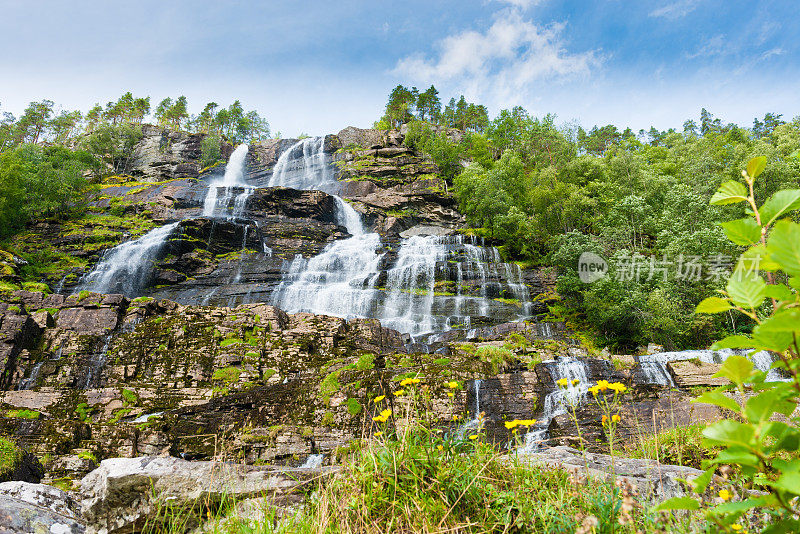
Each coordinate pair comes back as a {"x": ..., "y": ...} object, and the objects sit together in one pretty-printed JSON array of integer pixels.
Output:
[
  {"x": 548, "y": 193},
  {"x": 37, "y": 182},
  {"x": 763, "y": 437},
  {"x": 49, "y": 159}
]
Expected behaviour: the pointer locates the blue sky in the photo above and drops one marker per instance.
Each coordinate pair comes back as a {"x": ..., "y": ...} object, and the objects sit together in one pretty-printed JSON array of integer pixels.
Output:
[{"x": 318, "y": 66}]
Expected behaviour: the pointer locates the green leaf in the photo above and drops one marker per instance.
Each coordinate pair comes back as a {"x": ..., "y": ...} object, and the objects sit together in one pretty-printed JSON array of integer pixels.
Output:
[
  {"x": 761, "y": 407},
  {"x": 678, "y": 503},
  {"x": 736, "y": 369},
  {"x": 713, "y": 305},
  {"x": 739, "y": 506},
  {"x": 788, "y": 482},
  {"x": 779, "y": 204},
  {"x": 729, "y": 192},
  {"x": 699, "y": 483},
  {"x": 756, "y": 166},
  {"x": 728, "y": 432},
  {"x": 780, "y": 292},
  {"x": 736, "y": 456},
  {"x": 787, "y": 320},
  {"x": 746, "y": 289},
  {"x": 767, "y": 340},
  {"x": 742, "y": 231},
  {"x": 784, "y": 246},
  {"x": 717, "y": 398},
  {"x": 757, "y": 258},
  {"x": 733, "y": 342}
]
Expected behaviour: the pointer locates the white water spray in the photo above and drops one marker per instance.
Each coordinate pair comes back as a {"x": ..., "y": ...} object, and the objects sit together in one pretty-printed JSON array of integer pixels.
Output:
[{"x": 235, "y": 189}]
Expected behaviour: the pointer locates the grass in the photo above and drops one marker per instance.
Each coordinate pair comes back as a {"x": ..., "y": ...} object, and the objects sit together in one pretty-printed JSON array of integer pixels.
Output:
[
  {"x": 10, "y": 456},
  {"x": 677, "y": 446}
]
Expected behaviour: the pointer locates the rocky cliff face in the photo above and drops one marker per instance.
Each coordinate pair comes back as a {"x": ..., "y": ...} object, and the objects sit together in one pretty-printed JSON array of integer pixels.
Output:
[{"x": 199, "y": 363}]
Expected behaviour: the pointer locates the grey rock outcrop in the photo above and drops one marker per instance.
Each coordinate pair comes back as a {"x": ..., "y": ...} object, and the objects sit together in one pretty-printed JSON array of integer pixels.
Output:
[
  {"x": 35, "y": 508},
  {"x": 653, "y": 480},
  {"x": 122, "y": 493}
]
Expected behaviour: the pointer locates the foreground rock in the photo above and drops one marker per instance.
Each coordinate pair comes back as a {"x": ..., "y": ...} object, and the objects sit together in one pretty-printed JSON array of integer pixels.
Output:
[
  {"x": 123, "y": 493},
  {"x": 38, "y": 508},
  {"x": 653, "y": 480}
]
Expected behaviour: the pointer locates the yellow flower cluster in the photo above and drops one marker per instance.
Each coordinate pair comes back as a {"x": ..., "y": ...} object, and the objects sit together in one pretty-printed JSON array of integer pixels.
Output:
[
  {"x": 399, "y": 393},
  {"x": 725, "y": 495},
  {"x": 473, "y": 437},
  {"x": 603, "y": 385},
  {"x": 519, "y": 422},
  {"x": 379, "y": 398},
  {"x": 384, "y": 416},
  {"x": 451, "y": 385},
  {"x": 614, "y": 418},
  {"x": 409, "y": 381},
  {"x": 562, "y": 382}
]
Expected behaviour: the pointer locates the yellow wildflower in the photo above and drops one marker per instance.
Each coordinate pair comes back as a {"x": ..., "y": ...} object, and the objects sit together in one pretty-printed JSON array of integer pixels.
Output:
[
  {"x": 452, "y": 385},
  {"x": 450, "y": 394},
  {"x": 473, "y": 437},
  {"x": 456, "y": 417},
  {"x": 602, "y": 385},
  {"x": 616, "y": 418},
  {"x": 575, "y": 381},
  {"x": 408, "y": 381},
  {"x": 617, "y": 387},
  {"x": 378, "y": 434},
  {"x": 399, "y": 393},
  {"x": 511, "y": 424},
  {"x": 386, "y": 413},
  {"x": 415, "y": 380},
  {"x": 440, "y": 447},
  {"x": 378, "y": 398},
  {"x": 527, "y": 422},
  {"x": 562, "y": 382},
  {"x": 605, "y": 418},
  {"x": 725, "y": 495},
  {"x": 736, "y": 527},
  {"x": 379, "y": 419}
]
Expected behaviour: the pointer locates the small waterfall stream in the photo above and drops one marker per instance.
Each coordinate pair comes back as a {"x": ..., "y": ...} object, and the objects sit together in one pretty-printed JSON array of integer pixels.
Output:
[
  {"x": 558, "y": 401},
  {"x": 235, "y": 190},
  {"x": 127, "y": 267},
  {"x": 654, "y": 366}
]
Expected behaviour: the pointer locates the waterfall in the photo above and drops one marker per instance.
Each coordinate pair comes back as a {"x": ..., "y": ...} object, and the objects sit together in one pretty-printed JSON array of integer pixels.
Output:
[
  {"x": 341, "y": 280},
  {"x": 127, "y": 267},
  {"x": 477, "y": 420},
  {"x": 558, "y": 401},
  {"x": 303, "y": 166},
  {"x": 235, "y": 191},
  {"x": 314, "y": 461},
  {"x": 654, "y": 366},
  {"x": 30, "y": 382}
]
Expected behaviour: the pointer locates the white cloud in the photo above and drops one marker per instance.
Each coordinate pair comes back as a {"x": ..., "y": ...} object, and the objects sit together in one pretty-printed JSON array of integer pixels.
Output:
[
  {"x": 502, "y": 64},
  {"x": 522, "y": 4},
  {"x": 675, "y": 10}
]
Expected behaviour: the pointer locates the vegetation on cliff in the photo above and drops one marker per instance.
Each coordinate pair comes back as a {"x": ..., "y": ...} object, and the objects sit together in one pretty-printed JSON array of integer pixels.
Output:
[{"x": 549, "y": 193}]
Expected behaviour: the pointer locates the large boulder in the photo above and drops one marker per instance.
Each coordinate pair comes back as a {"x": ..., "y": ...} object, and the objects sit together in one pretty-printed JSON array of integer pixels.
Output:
[
  {"x": 654, "y": 481},
  {"x": 29, "y": 508},
  {"x": 123, "y": 493}
]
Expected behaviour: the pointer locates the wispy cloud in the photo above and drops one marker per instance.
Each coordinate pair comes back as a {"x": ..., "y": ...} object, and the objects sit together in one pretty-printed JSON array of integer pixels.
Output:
[
  {"x": 522, "y": 4},
  {"x": 675, "y": 10},
  {"x": 502, "y": 63}
]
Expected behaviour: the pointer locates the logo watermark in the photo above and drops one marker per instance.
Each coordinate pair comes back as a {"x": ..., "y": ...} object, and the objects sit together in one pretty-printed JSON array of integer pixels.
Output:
[
  {"x": 591, "y": 267},
  {"x": 687, "y": 268}
]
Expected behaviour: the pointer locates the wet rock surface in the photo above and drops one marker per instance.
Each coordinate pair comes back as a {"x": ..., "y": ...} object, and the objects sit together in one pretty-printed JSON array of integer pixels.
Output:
[{"x": 27, "y": 508}]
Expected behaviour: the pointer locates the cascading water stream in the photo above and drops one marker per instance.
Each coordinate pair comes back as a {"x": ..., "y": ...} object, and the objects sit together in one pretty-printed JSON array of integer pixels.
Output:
[
  {"x": 654, "y": 366},
  {"x": 560, "y": 400},
  {"x": 126, "y": 268},
  {"x": 235, "y": 190},
  {"x": 477, "y": 418}
]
